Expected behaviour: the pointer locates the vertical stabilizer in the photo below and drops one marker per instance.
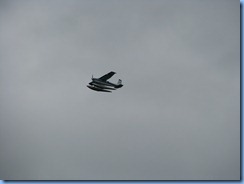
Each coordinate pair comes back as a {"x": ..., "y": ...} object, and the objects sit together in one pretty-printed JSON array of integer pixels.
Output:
[{"x": 119, "y": 82}]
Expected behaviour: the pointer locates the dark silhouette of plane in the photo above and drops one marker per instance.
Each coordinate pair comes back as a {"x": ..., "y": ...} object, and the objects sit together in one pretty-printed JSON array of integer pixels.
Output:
[{"x": 102, "y": 84}]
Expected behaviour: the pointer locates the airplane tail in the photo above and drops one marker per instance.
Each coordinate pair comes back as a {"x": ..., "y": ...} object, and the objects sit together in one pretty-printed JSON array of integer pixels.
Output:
[{"x": 119, "y": 84}]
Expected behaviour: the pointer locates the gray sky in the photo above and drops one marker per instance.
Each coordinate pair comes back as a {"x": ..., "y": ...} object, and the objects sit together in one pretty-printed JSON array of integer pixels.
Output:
[{"x": 177, "y": 116}]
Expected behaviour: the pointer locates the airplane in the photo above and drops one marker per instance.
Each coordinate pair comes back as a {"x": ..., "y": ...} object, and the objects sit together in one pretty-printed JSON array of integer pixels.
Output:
[{"x": 102, "y": 84}]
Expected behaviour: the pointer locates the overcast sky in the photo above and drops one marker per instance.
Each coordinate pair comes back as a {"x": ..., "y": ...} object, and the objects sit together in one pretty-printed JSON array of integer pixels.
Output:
[{"x": 177, "y": 117}]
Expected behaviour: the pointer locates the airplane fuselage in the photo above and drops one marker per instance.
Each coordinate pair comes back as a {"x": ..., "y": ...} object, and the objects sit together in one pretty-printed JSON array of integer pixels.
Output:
[
  {"x": 99, "y": 82},
  {"x": 102, "y": 86},
  {"x": 102, "y": 83}
]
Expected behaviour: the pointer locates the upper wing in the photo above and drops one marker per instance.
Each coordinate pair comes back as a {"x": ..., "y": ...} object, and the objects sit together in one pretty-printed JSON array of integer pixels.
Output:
[{"x": 107, "y": 76}]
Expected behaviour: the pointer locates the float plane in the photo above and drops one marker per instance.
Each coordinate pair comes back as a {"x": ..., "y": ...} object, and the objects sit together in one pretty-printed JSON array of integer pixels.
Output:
[{"x": 102, "y": 84}]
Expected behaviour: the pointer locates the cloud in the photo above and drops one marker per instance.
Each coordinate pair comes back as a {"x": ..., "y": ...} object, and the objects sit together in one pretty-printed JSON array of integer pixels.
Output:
[{"x": 177, "y": 116}]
